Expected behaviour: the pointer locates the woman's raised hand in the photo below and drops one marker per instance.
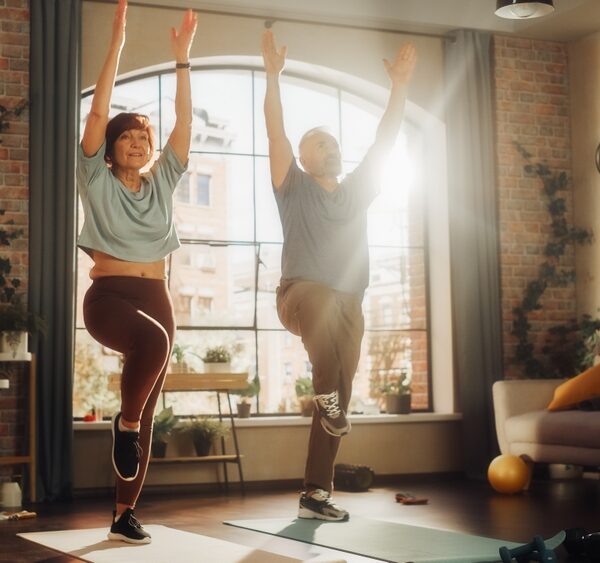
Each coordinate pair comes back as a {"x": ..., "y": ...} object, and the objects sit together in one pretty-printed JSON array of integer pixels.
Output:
[
  {"x": 274, "y": 58},
  {"x": 181, "y": 41},
  {"x": 119, "y": 23}
]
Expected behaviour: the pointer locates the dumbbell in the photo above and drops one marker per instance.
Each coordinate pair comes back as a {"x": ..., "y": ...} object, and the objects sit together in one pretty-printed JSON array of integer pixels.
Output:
[
  {"x": 581, "y": 542},
  {"x": 535, "y": 550}
]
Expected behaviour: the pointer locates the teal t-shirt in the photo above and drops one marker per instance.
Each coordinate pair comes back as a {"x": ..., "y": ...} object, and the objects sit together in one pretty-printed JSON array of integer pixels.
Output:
[{"x": 136, "y": 227}]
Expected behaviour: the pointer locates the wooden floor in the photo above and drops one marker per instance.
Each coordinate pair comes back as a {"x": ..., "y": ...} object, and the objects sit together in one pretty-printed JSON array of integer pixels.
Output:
[{"x": 454, "y": 504}]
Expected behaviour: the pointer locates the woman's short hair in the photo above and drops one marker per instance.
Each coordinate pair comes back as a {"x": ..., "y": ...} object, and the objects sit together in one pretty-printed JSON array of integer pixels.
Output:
[{"x": 124, "y": 122}]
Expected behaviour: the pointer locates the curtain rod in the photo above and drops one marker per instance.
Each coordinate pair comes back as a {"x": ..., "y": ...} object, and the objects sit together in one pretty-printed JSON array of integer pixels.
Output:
[{"x": 270, "y": 20}]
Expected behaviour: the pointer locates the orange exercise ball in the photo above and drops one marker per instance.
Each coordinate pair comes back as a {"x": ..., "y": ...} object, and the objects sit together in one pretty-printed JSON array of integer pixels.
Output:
[{"x": 508, "y": 474}]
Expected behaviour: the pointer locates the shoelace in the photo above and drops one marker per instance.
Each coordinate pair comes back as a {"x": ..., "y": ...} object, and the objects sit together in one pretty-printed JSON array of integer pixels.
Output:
[
  {"x": 133, "y": 521},
  {"x": 134, "y": 438},
  {"x": 326, "y": 498},
  {"x": 330, "y": 404}
]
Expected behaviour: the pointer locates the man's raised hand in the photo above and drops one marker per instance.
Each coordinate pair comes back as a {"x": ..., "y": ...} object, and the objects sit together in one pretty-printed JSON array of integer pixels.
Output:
[
  {"x": 274, "y": 58},
  {"x": 401, "y": 69}
]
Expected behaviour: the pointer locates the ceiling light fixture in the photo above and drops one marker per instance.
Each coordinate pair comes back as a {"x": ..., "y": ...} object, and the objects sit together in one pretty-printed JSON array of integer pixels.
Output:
[{"x": 523, "y": 9}]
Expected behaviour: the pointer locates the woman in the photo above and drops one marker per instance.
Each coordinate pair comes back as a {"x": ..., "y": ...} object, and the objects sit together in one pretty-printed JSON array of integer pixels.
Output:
[{"x": 128, "y": 232}]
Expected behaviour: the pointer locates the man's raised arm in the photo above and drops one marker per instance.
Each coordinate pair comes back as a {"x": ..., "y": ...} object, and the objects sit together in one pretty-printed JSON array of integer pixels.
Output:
[
  {"x": 400, "y": 72},
  {"x": 280, "y": 149}
]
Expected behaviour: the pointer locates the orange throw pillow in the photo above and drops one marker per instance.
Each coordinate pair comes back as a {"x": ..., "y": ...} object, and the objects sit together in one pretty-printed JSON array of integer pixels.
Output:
[{"x": 583, "y": 387}]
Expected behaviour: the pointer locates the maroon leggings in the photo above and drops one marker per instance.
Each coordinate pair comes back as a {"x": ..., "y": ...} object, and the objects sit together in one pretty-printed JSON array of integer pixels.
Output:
[{"x": 134, "y": 316}]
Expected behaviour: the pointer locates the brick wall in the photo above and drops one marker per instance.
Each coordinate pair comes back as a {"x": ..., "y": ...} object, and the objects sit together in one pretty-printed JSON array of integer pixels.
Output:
[
  {"x": 532, "y": 108},
  {"x": 14, "y": 199}
]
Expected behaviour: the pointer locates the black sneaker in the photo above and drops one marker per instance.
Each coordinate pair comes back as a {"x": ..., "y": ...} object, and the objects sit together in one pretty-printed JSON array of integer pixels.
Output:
[
  {"x": 128, "y": 529},
  {"x": 319, "y": 504},
  {"x": 126, "y": 451},
  {"x": 333, "y": 419}
]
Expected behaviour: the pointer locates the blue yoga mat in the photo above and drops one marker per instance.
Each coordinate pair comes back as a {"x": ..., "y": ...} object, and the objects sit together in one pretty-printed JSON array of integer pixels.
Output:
[{"x": 388, "y": 541}]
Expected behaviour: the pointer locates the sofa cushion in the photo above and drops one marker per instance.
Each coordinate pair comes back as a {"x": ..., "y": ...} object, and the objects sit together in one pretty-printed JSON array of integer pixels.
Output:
[
  {"x": 565, "y": 428},
  {"x": 583, "y": 388}
]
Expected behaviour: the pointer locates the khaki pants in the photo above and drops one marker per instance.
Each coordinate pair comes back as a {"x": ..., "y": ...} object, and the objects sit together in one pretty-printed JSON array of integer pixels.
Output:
[{"x": 331, "y": 325}]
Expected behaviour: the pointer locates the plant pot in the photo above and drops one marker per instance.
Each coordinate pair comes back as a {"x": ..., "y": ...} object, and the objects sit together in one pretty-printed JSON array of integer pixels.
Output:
[
  {"x": 202, "y": 446},
  {"x": 243, "y": 410},
  {"x": 13, "y": 343},
  {"x": 217, "y": 367},
  {"x": 398, "y": 404},
  {"x": 178, "y": 367},
  {"x": 159, "y": 449}
]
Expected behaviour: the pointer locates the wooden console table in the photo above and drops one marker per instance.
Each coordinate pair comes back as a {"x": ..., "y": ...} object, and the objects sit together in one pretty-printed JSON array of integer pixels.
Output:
[
  {"x": 29, "y": 458},
  {"x": 212, "y": 382}
]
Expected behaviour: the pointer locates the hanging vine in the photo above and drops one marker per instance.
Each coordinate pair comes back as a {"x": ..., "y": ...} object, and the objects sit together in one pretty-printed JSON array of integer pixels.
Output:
[{"x": 550, "y": 273}]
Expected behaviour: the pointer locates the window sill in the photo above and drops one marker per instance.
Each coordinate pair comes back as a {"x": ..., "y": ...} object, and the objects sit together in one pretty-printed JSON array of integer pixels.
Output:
[{"x": 274, "y": 421}]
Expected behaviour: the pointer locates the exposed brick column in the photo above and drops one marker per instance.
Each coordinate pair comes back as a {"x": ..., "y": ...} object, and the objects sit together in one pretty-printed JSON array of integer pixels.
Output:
[
  {"x": 14, "y": 199},
  {"x": 532, "y": 108}
]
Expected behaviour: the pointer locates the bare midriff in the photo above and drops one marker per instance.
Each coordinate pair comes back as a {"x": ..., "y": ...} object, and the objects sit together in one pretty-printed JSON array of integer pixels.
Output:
[{"x": 107, "y": 265}]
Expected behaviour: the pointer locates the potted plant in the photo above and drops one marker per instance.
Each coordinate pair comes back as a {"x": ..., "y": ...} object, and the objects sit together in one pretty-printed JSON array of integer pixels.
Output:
[
  {"x": 204, "y": 431},
  {"x": 164, "y": 422},
  {"x": 245, "y": 395},
  {"x": 217, "y": 359},
  {"x": 178, "y": 355},
  {"x": 397, "y": 394},
  {"x": 305, "y": 392}
]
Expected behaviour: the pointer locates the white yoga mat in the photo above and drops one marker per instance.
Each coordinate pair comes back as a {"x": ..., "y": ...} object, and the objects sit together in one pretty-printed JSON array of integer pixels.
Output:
[{"x": 167, "y": 544}]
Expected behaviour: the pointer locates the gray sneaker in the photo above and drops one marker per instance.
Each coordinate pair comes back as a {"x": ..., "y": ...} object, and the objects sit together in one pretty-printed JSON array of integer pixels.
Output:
[
  {"x": 333, "y": 419},
  {"x": 319, "y": 504}
]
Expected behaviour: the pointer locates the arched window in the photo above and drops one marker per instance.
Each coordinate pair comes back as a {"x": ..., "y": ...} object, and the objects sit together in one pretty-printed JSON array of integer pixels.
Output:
[{"x": 223, "y": 279}]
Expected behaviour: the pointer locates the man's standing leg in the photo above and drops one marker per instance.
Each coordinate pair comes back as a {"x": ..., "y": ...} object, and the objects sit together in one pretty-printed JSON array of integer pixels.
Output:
[{"x": 331, "y": 326}]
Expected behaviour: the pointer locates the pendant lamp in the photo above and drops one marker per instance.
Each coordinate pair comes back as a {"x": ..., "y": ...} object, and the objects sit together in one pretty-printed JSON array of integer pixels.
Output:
[{"x": 523, "y": 9}]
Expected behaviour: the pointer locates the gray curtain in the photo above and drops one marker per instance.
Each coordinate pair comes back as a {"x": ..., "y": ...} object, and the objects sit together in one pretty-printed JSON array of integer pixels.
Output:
[
  {"x": 474, "y": 240},
  {"x": 54, "y": 92}
]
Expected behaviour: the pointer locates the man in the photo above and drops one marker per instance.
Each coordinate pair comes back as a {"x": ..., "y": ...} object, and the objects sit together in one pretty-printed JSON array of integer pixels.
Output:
[{"x": 325, "y": 260}]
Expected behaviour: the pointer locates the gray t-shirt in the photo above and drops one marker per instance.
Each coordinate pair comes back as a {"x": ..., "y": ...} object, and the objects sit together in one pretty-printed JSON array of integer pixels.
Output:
[
  {"x": 325, "y": 233},
  {"x": 136, "y": 227}
]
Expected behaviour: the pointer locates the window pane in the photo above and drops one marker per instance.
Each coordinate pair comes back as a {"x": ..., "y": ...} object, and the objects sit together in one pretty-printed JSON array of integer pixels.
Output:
[
  {"x": 213, "y": 285},
  {"x": 242, "y": 346},
  {"x": 269, "y": 274},
  {"x": 93, "y": 365},
  {"x": 396, "y": 214},
  {"x": 396, "y": 297},
  {"x": 281, "y": 361},
  {"x": 383, "y": 355},
  {"x": 306, "y": 104},
  {"x": 268, "y": 225},
  {"x": 359, "y": 124},
  {"x": 222, "y": 110},
  {"x": 228, "y": 211}
]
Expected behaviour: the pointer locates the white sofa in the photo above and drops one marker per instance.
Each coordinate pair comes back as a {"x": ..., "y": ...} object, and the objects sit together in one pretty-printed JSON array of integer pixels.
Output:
[{"x": 525, "y": 428}]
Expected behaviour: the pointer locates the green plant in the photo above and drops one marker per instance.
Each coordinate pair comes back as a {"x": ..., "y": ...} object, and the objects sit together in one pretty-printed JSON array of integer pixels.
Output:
[
  {"x": 14, "y": 315},
  {"x": 248, "y": 392},
  {"x": 179, "y": 352},
  {"x": 90, "y": 383},
  {"x": 15, "y": 111},
  {"x": 396, "y": 385},
  {"x": 304, "y": 387},
  {"x": 206, "y": 428},
  {"x": 164, "y": 422},
  {"x": 217, "y": 355},
  {"x": 550, "y": 273}
]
